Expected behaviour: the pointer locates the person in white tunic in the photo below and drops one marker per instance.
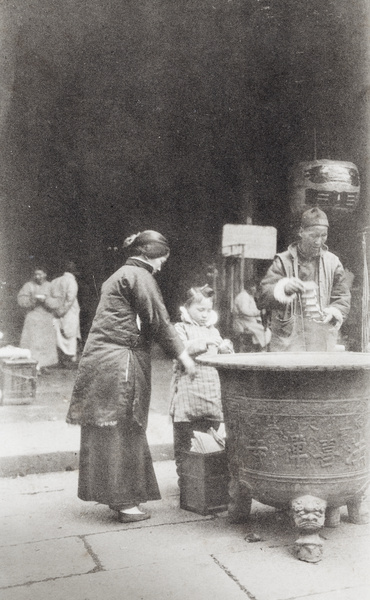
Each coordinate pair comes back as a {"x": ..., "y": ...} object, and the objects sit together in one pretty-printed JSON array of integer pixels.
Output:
[
  {"x": 247, "y": 321},
  {"x": 38, "y": 333},
  {"x": 66, "y": 308}
]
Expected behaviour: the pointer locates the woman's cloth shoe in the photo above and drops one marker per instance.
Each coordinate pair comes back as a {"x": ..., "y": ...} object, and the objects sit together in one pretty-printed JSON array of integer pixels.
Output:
[{"x": 125, "y": 517}]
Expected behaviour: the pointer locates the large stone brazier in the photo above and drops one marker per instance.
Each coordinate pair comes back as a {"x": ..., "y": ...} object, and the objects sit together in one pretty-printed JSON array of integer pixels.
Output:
[{"x": 298, "y": 435}]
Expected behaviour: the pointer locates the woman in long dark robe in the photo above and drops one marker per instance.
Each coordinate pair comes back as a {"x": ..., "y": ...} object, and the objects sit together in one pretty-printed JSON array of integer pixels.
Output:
[{"x": 111, "y": 395}]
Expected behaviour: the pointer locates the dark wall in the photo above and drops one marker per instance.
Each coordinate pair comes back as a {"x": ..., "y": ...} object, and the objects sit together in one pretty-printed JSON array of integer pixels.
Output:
[{"x": 119, "y": 116}]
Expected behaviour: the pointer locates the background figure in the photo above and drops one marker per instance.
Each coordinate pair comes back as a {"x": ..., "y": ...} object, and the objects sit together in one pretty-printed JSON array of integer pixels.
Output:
[
  {"x": 306, "y": 291},
  {"x": 250, "y": 334},
  {"x": 38, "y": 333},
  {"x": 111, "y": 396},
  {"x": 66, "y": 309},
  {"x": 196, "y": 402}
]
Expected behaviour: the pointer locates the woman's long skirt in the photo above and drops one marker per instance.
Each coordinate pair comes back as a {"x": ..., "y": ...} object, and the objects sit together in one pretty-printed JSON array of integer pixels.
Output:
[{"x": 116, "y": 467}]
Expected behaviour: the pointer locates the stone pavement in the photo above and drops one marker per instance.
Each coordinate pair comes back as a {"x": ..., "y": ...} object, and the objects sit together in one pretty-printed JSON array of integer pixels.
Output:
[{"x": 54, "y": 546}]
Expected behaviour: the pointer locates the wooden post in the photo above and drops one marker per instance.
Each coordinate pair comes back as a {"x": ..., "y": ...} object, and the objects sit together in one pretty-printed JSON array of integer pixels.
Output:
[
  {"x": 242, "y": 265},
  {"x": 232, "y": 283}
]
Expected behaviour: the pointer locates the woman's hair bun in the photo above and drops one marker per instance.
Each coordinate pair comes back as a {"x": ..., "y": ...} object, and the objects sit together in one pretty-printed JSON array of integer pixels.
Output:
[
  {"x": 130, "y": 240},
  {"x": 148, "y": 243}
]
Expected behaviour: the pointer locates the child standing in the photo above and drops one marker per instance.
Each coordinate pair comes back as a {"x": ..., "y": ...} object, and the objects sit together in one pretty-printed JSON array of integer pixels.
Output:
[{"x": 196, "y": 403}]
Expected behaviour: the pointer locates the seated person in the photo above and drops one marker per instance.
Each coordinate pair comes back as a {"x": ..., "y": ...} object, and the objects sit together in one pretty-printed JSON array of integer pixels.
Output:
[{"x": 251, "y": 335}]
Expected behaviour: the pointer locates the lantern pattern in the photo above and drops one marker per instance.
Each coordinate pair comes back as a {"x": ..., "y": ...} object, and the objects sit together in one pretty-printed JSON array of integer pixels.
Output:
[{"x": 333, "y": 185}]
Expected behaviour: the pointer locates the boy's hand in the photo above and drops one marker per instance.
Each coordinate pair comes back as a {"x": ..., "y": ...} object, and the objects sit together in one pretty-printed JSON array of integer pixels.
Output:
[
  {"x": 197, "y": 347},
  {"x": 226, "y": 347}
]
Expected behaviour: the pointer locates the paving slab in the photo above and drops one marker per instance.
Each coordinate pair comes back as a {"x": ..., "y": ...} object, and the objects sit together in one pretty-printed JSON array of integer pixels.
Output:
[
  {"x": 357, "y": 593},
  {"x": 38, "y": 561},
  {"x": 345, "y": 565},
  {"x": 79, "y": 551},
  {"x": 160, "y": 544},
  {"x": 40, "y": 507},
  {"x": 179, "y": 580}
]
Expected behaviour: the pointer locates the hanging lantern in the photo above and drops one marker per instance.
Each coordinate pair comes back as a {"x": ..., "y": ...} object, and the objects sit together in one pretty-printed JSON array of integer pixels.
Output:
[{"x": 333, "y": 185}]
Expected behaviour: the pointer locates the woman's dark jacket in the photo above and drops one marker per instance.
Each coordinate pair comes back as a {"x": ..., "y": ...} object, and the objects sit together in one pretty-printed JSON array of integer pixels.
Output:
[{"x": 114, "y": 378}]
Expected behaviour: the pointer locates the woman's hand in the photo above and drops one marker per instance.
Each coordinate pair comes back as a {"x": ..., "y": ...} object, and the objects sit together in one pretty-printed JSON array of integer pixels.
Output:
[{"x": 188, "y": 364}]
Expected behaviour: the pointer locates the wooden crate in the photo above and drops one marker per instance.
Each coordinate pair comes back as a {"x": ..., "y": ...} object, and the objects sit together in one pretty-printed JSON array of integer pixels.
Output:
[
  {"x": 18, "y": 381},
  {"x": 204, "y": 482}
]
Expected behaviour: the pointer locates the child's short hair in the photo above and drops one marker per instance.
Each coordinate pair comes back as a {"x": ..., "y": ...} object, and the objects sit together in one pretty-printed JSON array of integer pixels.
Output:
[{"x": 196, "y": 294}]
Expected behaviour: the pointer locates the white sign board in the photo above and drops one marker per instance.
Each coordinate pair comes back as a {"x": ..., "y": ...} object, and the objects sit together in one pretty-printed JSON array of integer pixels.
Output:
[{"x": 250, "y": 241}]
